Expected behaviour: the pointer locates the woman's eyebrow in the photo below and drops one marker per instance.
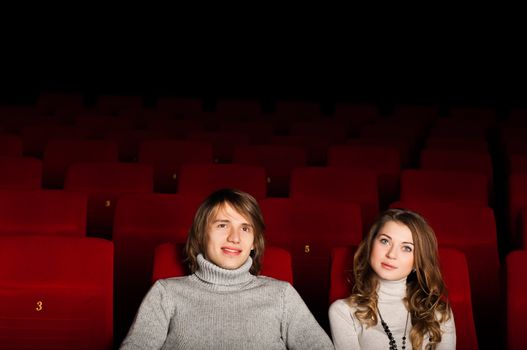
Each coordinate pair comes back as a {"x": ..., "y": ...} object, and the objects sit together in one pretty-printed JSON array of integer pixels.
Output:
[
  {"x": 384, "y": 234},
  {"x": 390, "y": 238}
]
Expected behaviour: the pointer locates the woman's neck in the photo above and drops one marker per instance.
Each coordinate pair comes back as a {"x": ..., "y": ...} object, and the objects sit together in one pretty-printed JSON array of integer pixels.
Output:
[{"x": 391, "y": 290}]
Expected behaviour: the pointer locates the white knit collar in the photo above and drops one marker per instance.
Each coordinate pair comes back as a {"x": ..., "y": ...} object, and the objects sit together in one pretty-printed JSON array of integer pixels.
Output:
[
  {"x": 392, "y": 289},
  {"x": 215, "y": 275}
]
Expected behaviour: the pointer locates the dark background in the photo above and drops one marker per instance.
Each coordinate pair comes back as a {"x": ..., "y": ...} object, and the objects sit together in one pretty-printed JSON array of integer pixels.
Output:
[{"x": 386, "y": 60}]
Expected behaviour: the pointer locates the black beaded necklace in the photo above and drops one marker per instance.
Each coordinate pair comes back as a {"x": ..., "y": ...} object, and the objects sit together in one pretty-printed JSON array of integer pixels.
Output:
[{"x": 393, "y": 345}]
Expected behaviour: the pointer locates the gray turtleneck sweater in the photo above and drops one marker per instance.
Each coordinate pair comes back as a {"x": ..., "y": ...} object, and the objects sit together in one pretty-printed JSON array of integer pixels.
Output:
[
  {"x": 215, "y": 308},
  {"x": 349, "y": 333}
]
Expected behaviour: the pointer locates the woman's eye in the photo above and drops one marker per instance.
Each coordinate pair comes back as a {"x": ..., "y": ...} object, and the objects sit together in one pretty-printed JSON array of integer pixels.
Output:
[
  {"x": 384, "y": 241},
  {"x": 407, "y": 249}
]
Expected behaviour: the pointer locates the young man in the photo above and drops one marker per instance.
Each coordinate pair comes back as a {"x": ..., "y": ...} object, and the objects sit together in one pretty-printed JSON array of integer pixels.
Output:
[{"x": 224, "y": 303}]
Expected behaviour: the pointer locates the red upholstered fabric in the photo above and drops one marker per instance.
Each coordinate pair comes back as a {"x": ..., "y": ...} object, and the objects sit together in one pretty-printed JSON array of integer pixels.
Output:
[
  {"x": 167, "y": 156},
  {"x": 98, "y": 125},
  {"x": 309, "y": 228},
  {"x": 176, "y": 129},
  {"x": 518, "y": 163},
  {"x": 517, "y": 202},
  {"x": 223, "y": 142},
  {"x": 49, "y": 102},
  {"x": 259, "y": 131},
  {"x": 42, "y": 212},
  {"x": 203, "y": 179},
  {"x": 237, "y": 109},
  {"x": 20, "y": 173},
  {"x": 385, "y": 161},
  {"x": 36, "y": 137},
  {"x": 335, "y": 129},
  {"x": 60, "y": 154},
  {"x": 278, "y": 161},
  {"x": 10, "y": 145},
  {"x": 315, "y": 146},
  {"x": 56, "y": 293},
  {"x": 444, "y": 185},
  {"x": 516, "y": 299},
  {"x": 404, "y": 146},
  {"x": 473, "y": 161},
  {"x": 456, "y": 276},
  {"x": 338, "y": 184},
  {"x": 128, "y": 141},
  {"x": 104, "y": 184},
  {"x": 456, "y": 143}
]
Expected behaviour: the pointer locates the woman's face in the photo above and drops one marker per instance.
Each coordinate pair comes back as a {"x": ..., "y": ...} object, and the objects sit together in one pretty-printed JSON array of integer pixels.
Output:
[
  {"x": 229, "y": 238},
  {"x": 392, "y": 254}
]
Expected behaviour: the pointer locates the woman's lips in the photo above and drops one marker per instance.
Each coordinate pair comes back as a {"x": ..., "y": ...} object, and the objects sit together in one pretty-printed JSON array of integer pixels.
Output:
[{"x": 388, "y": 266}]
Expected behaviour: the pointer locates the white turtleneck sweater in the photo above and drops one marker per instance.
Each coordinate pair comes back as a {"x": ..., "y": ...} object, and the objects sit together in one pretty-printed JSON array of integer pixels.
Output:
[
  {"x": 215, "y": 308},
  {"x": 349, "y": 333}
]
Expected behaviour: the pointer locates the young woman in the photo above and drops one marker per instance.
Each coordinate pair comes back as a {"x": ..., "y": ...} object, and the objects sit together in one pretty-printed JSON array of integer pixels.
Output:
[
  {"x": 399, "y": 297},
  {"x": 224, "y": 304}
]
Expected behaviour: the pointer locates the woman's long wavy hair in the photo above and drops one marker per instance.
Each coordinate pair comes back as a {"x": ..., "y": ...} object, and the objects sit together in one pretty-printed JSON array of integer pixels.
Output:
[
  {"x": 245, "y": 205},
  {"x": 426, "y": 295}
]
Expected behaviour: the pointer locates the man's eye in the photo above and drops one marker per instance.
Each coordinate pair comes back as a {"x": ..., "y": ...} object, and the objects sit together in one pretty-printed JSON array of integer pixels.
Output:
[{"x": 222, "y": 225}]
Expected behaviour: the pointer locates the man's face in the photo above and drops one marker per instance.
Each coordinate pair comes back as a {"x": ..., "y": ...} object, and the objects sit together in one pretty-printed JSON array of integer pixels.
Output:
[{"x": 229, "y": 238}]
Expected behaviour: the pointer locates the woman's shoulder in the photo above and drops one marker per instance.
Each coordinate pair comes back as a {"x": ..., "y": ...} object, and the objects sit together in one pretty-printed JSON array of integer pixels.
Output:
[{"x": 342, "y": 306}]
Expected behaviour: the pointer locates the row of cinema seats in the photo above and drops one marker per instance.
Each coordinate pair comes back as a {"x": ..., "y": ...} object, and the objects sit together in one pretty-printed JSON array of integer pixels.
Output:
[
  {"x": 104, "y": 182},
  {"x": 309, "y": 228},
  {"x": 167, "y": 155},
  {"x": 57, "y": 292},
  {"x": 459, "y": 144}
]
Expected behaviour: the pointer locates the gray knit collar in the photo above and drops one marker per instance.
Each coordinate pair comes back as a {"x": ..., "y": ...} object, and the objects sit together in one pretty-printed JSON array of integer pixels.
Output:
[{"x": 215, "y": 275}]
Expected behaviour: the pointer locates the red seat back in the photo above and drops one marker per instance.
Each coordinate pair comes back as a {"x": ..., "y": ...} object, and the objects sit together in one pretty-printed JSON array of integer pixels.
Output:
[{"x": 56, "y": 293}]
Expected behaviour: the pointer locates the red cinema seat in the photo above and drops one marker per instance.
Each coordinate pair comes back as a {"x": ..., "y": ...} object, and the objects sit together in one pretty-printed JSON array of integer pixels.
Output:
[
  {"x": 203, "y": 179},
  {"x": 56, "y": 293},
  {"x": 20, "y": 173},
  {"x": 42, "y": 212},
  {"x": 278, "y": 161},
  {"x": 309, "y": 228},
  {"x": 60, "y": 154},
  {"x": 385, "y": 161},
  {"x": 10, "y": 145},
  {"x": 167, "y": 156},
  {"x": 445, "y": 185},
  {"x": 478, "y": 162},
  {"x": 516, "y": 263},
  {"x": 104, "y": 184},
  {"x": 36, "y": 137},
  {"x": 223, "y": 142},
  {"x": 338, "y": 184}
]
